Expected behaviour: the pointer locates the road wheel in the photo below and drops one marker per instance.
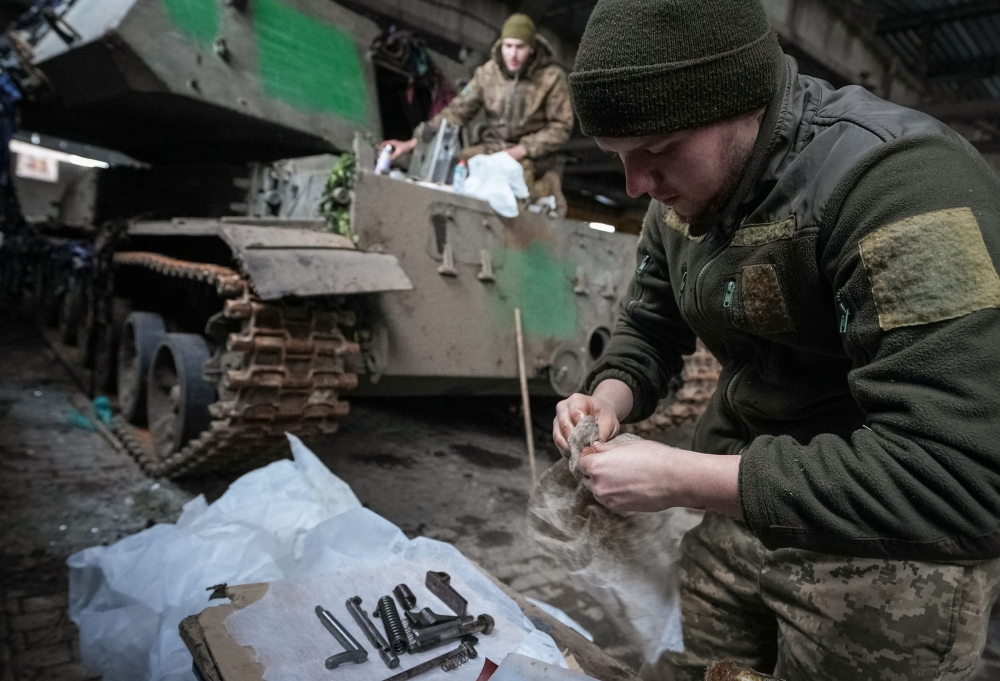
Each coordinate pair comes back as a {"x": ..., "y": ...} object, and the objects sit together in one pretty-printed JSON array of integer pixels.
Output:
[
  {"x": 177, "y": 396},
  {"x": 141, "y": 333}
]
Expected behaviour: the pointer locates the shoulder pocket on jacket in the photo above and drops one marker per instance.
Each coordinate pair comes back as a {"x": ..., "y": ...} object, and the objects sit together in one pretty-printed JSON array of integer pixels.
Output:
[{"x": 929, "y": 268}]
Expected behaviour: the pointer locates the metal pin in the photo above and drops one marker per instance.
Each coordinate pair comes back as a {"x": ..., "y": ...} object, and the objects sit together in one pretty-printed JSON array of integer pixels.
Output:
[{"x": 353, "y": 652}]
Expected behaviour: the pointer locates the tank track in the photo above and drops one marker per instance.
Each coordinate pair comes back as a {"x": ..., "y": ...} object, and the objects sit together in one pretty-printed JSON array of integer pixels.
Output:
[{"x": 283, "y": 371}]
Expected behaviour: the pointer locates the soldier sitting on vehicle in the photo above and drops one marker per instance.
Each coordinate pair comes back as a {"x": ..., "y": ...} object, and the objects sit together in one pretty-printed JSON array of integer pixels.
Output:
[{"x": 528, "y": 109}]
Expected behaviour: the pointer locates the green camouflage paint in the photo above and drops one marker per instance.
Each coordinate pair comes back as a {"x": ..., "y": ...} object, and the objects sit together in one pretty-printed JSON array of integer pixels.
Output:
[
  {"x": 536, "y": 281},
  {"x": 307, "y": 63},
  {"x": 196, "y": 19}
]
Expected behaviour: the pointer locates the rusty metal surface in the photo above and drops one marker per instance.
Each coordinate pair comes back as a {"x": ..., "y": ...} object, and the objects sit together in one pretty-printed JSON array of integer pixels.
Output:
[
  {"x": 227, "y": 282},
  {"x": 283, "y": 371},
  {"x": 157, "y": 72},
  {"x": 242, "y": 237},
  {"x": 566, "y": 277},
  {"x": 279, "y": 272}
]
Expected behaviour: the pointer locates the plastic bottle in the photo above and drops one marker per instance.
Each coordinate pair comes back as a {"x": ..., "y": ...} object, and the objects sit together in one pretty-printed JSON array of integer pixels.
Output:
[
  {"x": 458, "y": 178},
  {"x": 384, "y": 160}
]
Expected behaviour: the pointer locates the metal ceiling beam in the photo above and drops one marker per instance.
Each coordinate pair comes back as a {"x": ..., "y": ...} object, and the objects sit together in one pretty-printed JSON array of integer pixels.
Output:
[
  {"x": 975, "y": 109},
  {"x": 963, "y": 70},
  {"x": 938, "y": 16}
]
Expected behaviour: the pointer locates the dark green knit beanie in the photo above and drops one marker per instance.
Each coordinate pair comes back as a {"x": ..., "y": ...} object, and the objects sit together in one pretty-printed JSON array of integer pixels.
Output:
[{"x": 650, "y": 67}]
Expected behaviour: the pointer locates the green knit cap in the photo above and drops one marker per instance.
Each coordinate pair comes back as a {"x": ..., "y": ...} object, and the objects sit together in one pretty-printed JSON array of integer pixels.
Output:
[
  {"x": 650, "y": 67},
  {"x": 519, "y": 26}
]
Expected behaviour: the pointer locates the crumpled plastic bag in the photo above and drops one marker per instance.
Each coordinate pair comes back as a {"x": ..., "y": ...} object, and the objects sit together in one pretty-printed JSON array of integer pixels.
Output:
[
  {"x": 497, "y": 179},
  {"x": 273, "y": 523},
  {"x": 128, "y": 598},
  {"x": 629, "y": 563}
]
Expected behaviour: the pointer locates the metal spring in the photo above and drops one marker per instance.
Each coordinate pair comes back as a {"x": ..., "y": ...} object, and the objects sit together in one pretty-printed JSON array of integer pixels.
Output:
[
  {"x": 456, "y": 661},
  {"x": 394, "y": 630}
]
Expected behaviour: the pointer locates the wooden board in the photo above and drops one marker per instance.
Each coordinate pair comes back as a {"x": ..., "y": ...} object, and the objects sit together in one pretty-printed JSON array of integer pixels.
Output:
[{"x": 219, "y": 658}]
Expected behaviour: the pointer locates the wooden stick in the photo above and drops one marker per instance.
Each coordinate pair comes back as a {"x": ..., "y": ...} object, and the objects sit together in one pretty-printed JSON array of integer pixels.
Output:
[{"x": 526, "y": 403}]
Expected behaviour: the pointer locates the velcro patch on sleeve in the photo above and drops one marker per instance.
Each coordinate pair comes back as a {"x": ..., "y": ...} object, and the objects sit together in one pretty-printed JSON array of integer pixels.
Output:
[
  {"x": 763, "y": 302},
  {"x": 764, "y": 233},
  {"x": 928, "y": 268}
]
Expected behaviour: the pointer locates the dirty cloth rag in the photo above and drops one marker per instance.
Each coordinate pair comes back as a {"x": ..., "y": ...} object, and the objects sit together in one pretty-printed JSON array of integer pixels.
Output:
[
  {"x": 629, "y": 563},
  {"x": 497, "y": 179}
]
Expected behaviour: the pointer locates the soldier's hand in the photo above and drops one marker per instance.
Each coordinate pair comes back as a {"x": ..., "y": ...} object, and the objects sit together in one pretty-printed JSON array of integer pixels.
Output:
[
  {"x": 399, "y": 147},
  {"x": 575, "y": 407}
]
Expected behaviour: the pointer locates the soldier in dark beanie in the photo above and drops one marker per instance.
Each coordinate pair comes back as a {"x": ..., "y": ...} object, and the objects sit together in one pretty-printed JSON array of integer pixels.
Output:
[{"x": 837, "y": 254}]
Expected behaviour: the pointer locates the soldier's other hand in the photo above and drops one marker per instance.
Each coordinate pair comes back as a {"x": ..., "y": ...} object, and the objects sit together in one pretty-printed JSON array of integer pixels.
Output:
[
  {"x": 645, "y": 476},
  {"x": 399, "y": 147},
  {"x": 575, "y": 407}
]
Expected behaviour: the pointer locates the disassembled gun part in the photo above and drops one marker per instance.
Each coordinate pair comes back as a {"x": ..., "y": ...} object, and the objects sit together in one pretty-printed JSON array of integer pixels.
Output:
[
  {"x": 428, "y": 618},
  {"x": 372, "y": 632},
  {"x": 405, "y": 597},
  {"x": 386, "y": 611},
  {"x": 439, "y": 584},
  {"x": 466, "y": 651},
  {"x": 432, "y": 637},
  {"x": 353, "y": 652}
]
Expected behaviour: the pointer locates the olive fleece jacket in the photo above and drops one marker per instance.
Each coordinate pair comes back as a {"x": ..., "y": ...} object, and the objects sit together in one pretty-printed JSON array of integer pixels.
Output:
[
  {"x": 532, "y": 109},
  {"x": 850, "y": 291}
]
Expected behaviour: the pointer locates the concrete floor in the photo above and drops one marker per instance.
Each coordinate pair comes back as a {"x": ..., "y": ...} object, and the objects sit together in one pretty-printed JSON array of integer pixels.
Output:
[{"x": 453, "y": 470}]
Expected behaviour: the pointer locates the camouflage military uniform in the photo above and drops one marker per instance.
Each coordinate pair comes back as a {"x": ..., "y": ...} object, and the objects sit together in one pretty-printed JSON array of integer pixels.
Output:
[
  {"x": 823, "y": 617},
  {"x": 850, "y": 291},
  {"x": 532, "y": 109}
]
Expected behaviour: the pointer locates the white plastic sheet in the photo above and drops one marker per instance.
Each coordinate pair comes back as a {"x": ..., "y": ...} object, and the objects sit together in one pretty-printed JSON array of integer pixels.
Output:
[
  {"x": 497, "y": 179},
  {"x": 360, "y": 553},
  {"x": 273, "y": 523},
  {"x": 627, "y": 563}
]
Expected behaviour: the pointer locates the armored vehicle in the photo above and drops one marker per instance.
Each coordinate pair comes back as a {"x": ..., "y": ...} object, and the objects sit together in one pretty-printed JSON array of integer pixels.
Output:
[{"x": 248, "y": 315}]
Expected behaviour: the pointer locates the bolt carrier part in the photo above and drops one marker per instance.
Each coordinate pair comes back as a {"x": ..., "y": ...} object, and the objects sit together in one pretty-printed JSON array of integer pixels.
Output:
[
  {"x": 466, "y": 651},
  {"x": 372, "y": 633},
  {"x": 353, "y": 652},
  {"x": 386, "y": 611},
  {"x": 432, "y": 637}
]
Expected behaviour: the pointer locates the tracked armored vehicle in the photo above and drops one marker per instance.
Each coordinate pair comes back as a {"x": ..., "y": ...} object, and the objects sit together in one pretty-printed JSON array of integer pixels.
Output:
[{"x": 245, "y": 316}]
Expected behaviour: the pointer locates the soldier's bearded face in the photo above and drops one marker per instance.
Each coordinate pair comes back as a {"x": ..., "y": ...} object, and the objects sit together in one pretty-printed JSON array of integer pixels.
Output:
[
  {"x": 515, "y": 53},
  {"x": 693, "y": 171}
]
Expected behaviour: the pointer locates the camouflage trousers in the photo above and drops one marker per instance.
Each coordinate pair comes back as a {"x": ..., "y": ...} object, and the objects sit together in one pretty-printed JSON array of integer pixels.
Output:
[{"x": 816, "y": 617}]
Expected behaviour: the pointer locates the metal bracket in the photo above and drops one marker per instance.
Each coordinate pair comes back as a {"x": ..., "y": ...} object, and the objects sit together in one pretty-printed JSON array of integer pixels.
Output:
[
  {"x": 485, "y": 267},
  {"x": 447, "y": 267},
  {"x": 439, "y": 584}
]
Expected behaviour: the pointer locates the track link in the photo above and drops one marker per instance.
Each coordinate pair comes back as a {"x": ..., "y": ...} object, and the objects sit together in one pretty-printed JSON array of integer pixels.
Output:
[{"x": 283, "y": 371}]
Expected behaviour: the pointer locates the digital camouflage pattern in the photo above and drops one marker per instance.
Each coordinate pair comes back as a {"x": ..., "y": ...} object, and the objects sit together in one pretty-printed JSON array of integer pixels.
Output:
[
  {"x": 532, "y": 109},
  {"x": 817, "y": 617}
]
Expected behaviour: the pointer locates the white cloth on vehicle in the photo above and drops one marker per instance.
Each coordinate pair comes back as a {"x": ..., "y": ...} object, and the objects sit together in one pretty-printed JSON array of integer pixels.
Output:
[{"x": 497, "y": 179}]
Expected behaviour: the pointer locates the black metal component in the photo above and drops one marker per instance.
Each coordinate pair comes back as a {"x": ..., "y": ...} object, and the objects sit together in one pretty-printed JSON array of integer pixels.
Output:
[
  {"x": 372, "y": 633},
  {"x": 405, "y": 597},
  {"x": 466, "y": 651},
  {"x": 432, "y": 637},
  {"x": 428, "y": 618},
  {"x": 353, "y": 652},
  {"x": 386, "y": 610},
  {"x": 439, "y": 584}
]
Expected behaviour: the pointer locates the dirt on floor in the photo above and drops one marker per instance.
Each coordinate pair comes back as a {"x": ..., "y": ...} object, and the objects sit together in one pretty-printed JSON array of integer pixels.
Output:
[{"x": 451, "y": 469}]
